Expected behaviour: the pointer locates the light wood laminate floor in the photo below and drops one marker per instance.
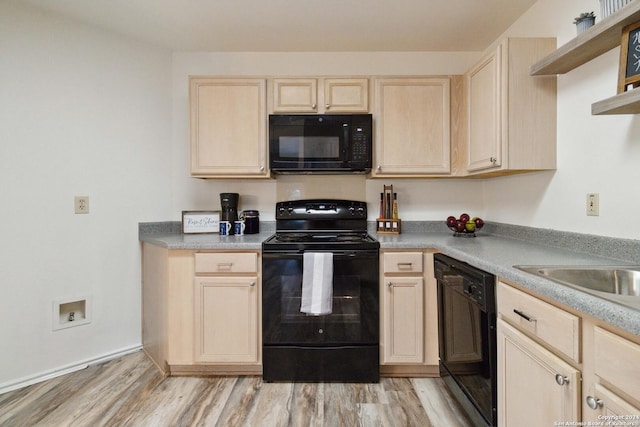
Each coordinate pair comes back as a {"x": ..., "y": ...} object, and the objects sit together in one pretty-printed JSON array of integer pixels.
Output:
[{"x": 129, "y": 391}]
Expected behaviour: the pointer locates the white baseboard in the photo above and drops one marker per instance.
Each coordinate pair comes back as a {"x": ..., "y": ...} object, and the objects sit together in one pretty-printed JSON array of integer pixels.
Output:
[{"x": 47, "y": 375}]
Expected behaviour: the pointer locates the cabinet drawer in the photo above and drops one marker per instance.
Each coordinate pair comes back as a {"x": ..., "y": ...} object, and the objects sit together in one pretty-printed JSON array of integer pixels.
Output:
[
  {"x": 556, "y": 327},
  {"x": 226, "y": 262},
  {"x": 617, "y": 361},
  {"x": 402, "y": 262}
]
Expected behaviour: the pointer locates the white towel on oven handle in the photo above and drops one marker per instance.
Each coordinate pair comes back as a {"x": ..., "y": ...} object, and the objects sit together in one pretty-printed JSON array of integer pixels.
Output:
[{"x": 317, "y": 283}]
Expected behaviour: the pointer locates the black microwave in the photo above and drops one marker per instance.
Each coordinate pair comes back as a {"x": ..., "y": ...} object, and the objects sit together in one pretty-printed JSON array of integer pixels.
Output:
[{"x": 321, "y": 143}]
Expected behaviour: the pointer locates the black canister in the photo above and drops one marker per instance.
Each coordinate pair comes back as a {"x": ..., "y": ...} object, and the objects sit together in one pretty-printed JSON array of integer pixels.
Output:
[{"x": 251, "y": 222}]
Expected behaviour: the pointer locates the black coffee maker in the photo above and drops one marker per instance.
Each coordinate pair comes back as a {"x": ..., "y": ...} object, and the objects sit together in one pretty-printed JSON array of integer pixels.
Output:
[{"x": 229, "y": 205}]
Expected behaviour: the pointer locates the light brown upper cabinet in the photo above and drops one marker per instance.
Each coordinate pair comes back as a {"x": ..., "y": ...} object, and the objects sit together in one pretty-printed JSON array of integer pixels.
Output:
[
  {"x": 228, "y": 127},
  {"x": 320, "y": 95},
  {"x": 511, "y": 116},
  {"x": 412, "y": 127}
]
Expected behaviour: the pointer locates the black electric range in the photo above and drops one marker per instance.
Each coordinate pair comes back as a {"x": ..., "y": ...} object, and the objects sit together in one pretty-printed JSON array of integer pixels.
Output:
[{"x": 340, "y": 345}]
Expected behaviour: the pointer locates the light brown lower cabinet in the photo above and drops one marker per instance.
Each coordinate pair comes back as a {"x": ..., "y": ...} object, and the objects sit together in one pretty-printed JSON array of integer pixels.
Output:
[
  {"x": 535, "y": 387},
  {"x": 226, "y": 307},
  {"x": 404, "y": 320},
  {"x": 558, "y": 365},
  {"x": 226, "y": 319},
  {"x": 201, "y": 311},
  {"x": 409, "y": 314},
  {"x": 612, "y": 387},
  {"x": 603, "y": 404}
]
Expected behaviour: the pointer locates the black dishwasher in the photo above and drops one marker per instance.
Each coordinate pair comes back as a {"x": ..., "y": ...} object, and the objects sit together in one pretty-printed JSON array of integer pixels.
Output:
[{"x": 467, "y": 334}]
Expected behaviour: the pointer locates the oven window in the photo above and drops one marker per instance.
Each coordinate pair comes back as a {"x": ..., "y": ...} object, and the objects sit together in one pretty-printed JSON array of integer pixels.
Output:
[
  {"x": 346, "y": 300},
  {"x": 355, "y": 313},
  {"x": 309, "y": 147}
]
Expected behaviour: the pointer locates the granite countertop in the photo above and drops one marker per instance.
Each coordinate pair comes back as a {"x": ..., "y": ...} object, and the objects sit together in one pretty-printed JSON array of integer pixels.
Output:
[
  {"x": 496, "y": 249},
  {"x": 206, "y": 241}
]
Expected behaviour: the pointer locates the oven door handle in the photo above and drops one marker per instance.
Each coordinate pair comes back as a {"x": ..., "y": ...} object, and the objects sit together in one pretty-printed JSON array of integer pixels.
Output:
[
  {"x": 351, "y": 254},
  {"x": 348, "y": 254}
]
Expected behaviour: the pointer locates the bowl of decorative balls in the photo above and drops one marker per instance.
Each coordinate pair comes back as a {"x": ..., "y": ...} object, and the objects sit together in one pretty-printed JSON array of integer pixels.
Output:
[{"x": 464, "y": 226}]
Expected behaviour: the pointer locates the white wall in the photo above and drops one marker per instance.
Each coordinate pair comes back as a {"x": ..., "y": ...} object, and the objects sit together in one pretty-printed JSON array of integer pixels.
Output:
[
  {"x": 82, "y": 112},
  {"x": 598, "y": 154}
]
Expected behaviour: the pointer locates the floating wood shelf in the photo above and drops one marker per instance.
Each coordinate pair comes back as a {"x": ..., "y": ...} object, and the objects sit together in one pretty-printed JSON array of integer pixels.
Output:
[
  {"x": 599, "y": 39},
  {"x": 625, "y": 103}
]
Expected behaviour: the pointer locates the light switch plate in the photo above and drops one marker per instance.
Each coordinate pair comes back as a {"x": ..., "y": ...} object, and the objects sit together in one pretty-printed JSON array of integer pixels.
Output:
[{"x": 593, "y": 204}]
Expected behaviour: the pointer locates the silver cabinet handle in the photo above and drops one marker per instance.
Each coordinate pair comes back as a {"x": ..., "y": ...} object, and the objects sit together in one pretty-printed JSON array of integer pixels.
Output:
[
  {"x": 225, "y": 265},
  {"x": 594, "y": 402},
  {"x": 261, "y": 168},
  {"x": 313, "y": 106},
  {"x": 390, "y": 284},
  {"x": 252, "y": 284},
  {"x": 562, "y": 380},
  {"x": 327, "y": 106},
  {"x": 379, "y": 168},
  {"x": 493, "y": 160}
]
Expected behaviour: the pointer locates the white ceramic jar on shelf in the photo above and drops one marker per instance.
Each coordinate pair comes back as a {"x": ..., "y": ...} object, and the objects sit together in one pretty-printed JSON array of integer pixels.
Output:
[{"x": 607, "y": 7}]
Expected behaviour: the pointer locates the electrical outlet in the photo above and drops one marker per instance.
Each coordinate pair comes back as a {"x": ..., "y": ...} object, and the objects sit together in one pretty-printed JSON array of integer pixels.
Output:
[
  {"x": 593, "y": 204},
  {"x": 81, "y": 204}
]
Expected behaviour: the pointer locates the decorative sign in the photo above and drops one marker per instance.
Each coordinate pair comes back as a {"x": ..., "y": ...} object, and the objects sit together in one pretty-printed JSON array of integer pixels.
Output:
[
  {"x": 629, "y": 72},
  {"x": 200, "y": 222}
]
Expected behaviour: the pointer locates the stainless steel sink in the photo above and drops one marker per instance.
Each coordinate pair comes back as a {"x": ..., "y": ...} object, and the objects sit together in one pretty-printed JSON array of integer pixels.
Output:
[{"x": 620, "y": 284}]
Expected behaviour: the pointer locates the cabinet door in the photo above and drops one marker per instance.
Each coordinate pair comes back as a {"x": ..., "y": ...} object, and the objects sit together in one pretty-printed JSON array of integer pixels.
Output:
[
  {"x": 226, "y": 319},
  {"x": 295, "y": 95},
  {"x": 484, "y": 113},
  {"x": 228, "y": 135},
  {"x": 535, "y": 387},
  {"x": 346, "y": 95},
  {"x": 617, "y": 361},
  {"x": 403, "y": 317},
  {"x": 412, "y": 127},
  {"x": 602, "y": 404},
  {"x": 511, "y": 116}
]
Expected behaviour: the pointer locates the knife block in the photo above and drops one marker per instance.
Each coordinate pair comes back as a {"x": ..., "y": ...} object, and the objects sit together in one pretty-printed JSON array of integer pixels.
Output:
[{"x": 388, "y": 226}]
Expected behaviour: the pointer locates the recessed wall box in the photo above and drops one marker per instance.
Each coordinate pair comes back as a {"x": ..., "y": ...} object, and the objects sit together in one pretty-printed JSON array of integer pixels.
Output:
[{"x": 71, "y": 312}]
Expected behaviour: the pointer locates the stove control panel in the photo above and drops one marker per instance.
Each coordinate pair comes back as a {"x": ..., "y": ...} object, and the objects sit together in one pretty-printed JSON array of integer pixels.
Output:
[
  {"x": 284, "y": 210},
  {"x": 326, "y": 209},
  {"x": 360, "y": 211}
]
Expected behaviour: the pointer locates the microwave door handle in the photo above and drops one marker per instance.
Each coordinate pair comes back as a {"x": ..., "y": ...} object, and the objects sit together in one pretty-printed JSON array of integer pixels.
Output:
[{"x": 346, "y": 149}]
